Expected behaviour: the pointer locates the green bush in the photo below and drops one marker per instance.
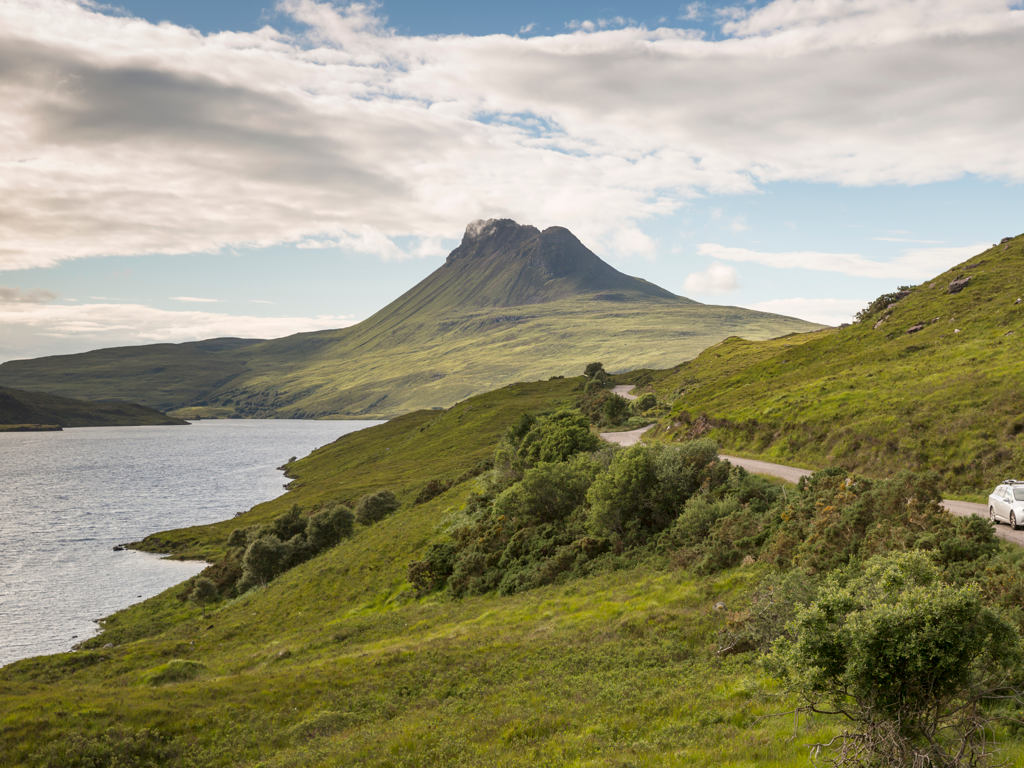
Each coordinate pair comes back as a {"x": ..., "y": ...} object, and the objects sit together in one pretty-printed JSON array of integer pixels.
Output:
[
  {"x": 374, "y": 507},
  {"x": 263, "y": 560},
  {"x": 907, "y": 659},
  {"x": 645, "y": 488},
  {"x": 644, "y": 403},
  {"x": 329, "y": 526}
]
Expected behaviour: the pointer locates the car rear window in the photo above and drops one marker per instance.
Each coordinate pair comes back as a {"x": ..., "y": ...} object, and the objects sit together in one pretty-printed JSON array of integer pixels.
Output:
[{"x": 1018, "y": 494}]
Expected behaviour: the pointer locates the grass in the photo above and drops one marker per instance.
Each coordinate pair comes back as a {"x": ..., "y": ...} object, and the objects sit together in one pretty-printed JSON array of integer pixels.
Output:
[
  {"x": 339, "y": 662},
  {"x": 946, "y": 397}
]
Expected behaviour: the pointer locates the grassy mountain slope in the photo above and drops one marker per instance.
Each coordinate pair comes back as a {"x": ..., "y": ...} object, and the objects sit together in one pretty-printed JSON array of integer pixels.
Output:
[
  {"x": 510, "y": 304},
  {"x": 878, "y": 395},
  {"x": 336, "y": 663},
  {"x": 35, "y": 408},
  {"x": 157, "y": 375}
]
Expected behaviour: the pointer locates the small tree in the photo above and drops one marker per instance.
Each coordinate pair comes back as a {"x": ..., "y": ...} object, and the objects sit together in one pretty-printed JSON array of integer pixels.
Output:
[
  {"x": 906, "y": 659},
  {"x": 593, "y": 369},
  {"x": 644, "y": 403},
  {"x": 329, "y": 526},
  {"x": 374, "y": 507},
  {"x": 615, "y": 409},
  {"x": 203, "y": 592},
  {"x": 263, "y": 560}
]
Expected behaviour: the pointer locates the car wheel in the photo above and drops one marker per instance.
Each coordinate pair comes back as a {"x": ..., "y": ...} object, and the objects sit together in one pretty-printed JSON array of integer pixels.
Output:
[
  {"x": 992, "y": 516},
  {"x": 1013, "y": 521}
]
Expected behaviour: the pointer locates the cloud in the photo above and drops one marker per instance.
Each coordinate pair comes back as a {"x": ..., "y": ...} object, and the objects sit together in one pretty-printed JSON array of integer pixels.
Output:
[
  {"x": 528, "y": 28},
  {"x": 192, "y": 298},
  {"x": 34, "y": 330},
  {"x": 907, "y": 240},
  {"x": 825, "y": 311},
  {"x": 121, "y": 137},
  {"x": 914, "y": 264},
  {"x": 35, "y": 296},
  {"x": 693, "y": 12},
  {"x": 718, "y": 278}
]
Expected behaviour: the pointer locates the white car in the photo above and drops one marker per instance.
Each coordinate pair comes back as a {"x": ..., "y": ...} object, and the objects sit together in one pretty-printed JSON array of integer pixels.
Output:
[{"x": 1006, "y": 503}]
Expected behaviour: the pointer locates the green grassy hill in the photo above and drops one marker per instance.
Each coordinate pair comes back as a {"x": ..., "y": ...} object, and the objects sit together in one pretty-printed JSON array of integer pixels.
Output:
[
  {"x": 929, "y": 380},
  {"x": 339, "y": 661},
  {"x": 26, "y": 409},
  {"x": 510, "y": 304}
]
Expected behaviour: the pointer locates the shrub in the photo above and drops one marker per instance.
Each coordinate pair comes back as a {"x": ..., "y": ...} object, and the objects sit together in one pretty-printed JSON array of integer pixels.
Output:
[
  {"x": 645, "y": 488},
  {"x": 374, "y": 507},
  {"x": 644, "y": 403},
  {"x": 549, "y": 492},
  {"x": 615, "y": 409},
  {"x": 264, "y": 558},
  {"x": 557, "y": 437},
  {"x": 593, "y": 369},
  {"x": 908, "y": 660},
  {"x": 328, "y": 527},
  {"x": 203, "y": 592},
  {"x": 290, "y": 524}
]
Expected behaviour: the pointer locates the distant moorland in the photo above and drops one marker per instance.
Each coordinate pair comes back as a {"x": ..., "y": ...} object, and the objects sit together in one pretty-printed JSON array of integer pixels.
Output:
[{"x": 32, "y": 411}]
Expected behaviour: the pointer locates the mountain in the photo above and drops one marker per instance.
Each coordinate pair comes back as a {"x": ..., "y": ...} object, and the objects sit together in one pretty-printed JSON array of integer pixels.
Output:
[
  {"x": 511, "y": 303},
  {"x": 928, "y": 380},
  {"x": 36, "y": 409}
]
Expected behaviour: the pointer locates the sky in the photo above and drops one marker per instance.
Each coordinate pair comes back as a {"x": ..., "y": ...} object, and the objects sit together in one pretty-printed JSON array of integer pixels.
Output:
[{"x": 172, "y": 171}]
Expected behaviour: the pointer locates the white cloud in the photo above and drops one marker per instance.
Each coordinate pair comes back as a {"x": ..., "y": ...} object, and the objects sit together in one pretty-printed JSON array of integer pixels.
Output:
[
  {"x": 34, "y": 330},
  {"x": 717, "y": 278},
  {"x": 825, "y": 311},
  {"x": 193, "y": 298},
  {"x": 914, "y": 264},
  {"x": 694, "y": 12},
  {"x": 528, "y": 28},
  {"x": 120, "y": 137}
]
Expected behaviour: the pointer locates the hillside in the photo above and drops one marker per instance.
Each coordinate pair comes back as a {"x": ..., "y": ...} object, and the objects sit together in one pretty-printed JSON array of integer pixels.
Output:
[
  {"x": 340, "y": 661},
  {"x": 930, "y": 379},
  {"x": 24, "y": 409},
  {"x": 510, "y": 304}
]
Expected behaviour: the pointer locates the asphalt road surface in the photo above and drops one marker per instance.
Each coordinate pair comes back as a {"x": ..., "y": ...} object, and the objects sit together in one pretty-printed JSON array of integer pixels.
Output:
[{"x": 793, "y": 475}]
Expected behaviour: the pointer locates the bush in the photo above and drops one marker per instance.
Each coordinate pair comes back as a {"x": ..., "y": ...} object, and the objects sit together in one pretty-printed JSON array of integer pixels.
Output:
[
  {"x": 644, "y": 403},
  {"x": 645, "y": 488},
  {"x": 548, "y": 493},
  {"x": 615, "y": 409},
  {"x": 374, "y": 507},
  {"x": 263, "y": 560},
  {"x": 907, "y": 659},
  {"x": 203, "y": 591},
  {"x": 328, "y": 527},
  {"x": 557, "y": 437},
  {"x": 593, "y": 369}
]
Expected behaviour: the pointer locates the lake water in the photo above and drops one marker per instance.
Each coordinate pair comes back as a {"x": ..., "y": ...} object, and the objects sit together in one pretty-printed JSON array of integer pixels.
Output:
[{"x": 67, "y": 498}]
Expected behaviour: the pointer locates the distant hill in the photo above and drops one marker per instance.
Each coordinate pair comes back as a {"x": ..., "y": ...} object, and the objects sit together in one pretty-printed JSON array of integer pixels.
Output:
[
  {"x": 36, "y": 409},
  {"x": 929, "y": 379},
  {"x": 511, "y": 303}
]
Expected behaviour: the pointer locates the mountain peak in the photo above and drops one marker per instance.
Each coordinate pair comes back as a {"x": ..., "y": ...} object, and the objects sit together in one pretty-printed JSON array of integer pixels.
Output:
[
  {"x": 485, "y": 236},
  {"x": 503, "y": 263}
]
